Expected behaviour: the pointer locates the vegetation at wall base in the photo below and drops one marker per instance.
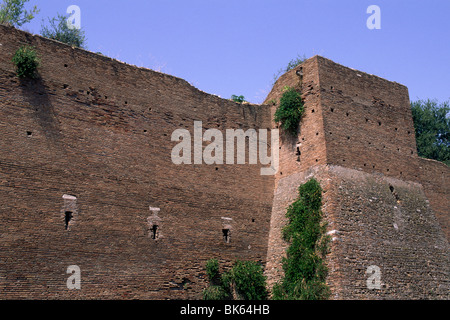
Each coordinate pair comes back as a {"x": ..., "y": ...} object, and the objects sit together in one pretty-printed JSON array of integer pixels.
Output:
[
  {"x": 244, "y": 281},
  {"x": 26, "y": 61},
  {"x": 304, "y": 268},
  {"x": 432, "y": 126},
  {"x": 290, "y": 111}
]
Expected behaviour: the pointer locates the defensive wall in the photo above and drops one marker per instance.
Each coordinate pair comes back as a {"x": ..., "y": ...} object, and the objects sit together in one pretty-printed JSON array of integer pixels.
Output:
[{"x": 87, "y": 179}]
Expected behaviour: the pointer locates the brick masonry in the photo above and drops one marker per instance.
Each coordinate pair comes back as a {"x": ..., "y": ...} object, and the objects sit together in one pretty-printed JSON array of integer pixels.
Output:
[
  {"x": 99, "y": 130},
  {"x": 384, "y": 205}
]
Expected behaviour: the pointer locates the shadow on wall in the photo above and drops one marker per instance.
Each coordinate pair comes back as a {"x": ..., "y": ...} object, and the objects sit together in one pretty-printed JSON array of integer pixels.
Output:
[{"x": 35, "y": 92}]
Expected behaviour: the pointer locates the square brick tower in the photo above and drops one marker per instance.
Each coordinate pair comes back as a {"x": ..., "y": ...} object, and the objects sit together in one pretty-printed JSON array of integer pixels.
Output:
[{"x": 385, "y": 206}]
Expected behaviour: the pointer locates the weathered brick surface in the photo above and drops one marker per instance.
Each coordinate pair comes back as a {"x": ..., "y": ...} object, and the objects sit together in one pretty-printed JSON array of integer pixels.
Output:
[
  {"x": 434, "y": 176},
  {"x": 386, "y": 222},
  {"x": 100, "y": 130},
  {"x": 357, "y": 139}
]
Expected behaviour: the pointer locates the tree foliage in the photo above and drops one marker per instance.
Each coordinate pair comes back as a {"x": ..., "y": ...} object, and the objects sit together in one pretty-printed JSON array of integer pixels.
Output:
[
  {"x": 432, "y": 126},
  {"x": 60, "y": 31},
  {"x": 13, "y": 13}
]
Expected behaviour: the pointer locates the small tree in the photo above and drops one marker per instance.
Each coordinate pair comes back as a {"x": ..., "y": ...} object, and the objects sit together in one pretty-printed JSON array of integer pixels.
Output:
[
  {"x": 13, "y": 13},
  {"x": 26, "y": 61},
  {"x": 59, "y": 30}
]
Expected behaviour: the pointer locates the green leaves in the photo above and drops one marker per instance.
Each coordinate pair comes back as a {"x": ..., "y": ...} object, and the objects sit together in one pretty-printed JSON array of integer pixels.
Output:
[
  {"x": 290, "y": 111},
  {"x": 291, "y": 65},
  {"x": 432, "y": 126},
  {"x": 304, "y": 269},
  {"x": 245, "y": 280},
  {"x": 12, "y": 13},
  {"x": 212, "y": 271},
  {"x": 238, "y": 99},
  {"x": 60, "y": 31},
  {"x": 26, "y": 61}
]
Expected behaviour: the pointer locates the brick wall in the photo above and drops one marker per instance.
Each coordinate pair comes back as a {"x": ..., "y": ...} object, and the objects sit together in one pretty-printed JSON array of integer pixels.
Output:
[
  {"x": 90, "y": 139},
  {"x": 434, "y": 176},
  {"x": 100, "y": 130},
  {"x": 383, "y": 204}
]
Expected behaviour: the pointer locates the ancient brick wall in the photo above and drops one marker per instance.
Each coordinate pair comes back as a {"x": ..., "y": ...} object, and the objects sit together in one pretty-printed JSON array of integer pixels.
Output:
[
  {"x": 85, "y": 153},
  {"x": 99, "y": 130},
  {"x": 307, "y": 148},
  {"x": 384, "y": 206},
  {"x": 386, "y": 223},
  {"x": 367, "y": 122},
  {"x": 434, "y": 176}
]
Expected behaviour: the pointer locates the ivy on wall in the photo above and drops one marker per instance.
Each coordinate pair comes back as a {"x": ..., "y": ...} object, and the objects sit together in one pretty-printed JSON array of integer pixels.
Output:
[{"x": 304, "y": 267}]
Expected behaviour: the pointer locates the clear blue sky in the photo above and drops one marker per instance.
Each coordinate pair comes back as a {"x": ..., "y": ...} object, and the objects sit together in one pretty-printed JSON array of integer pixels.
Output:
[{"x": 227, "y": 47}]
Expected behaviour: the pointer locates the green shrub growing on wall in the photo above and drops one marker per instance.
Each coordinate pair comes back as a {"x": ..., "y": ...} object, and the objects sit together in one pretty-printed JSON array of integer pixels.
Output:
[
  {"x": 244, "y": 281},
  {"x": 238, "y": 99},
  {"x": 304, "y": 267},
  {"x": 290, "y": 110},
  {"x": 26, "y": 61},
  {"x": 291, "y": 65}
]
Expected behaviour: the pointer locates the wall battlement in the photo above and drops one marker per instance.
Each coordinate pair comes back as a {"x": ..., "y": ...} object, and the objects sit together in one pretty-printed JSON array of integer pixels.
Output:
[{"x": 98, "y": 132}]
